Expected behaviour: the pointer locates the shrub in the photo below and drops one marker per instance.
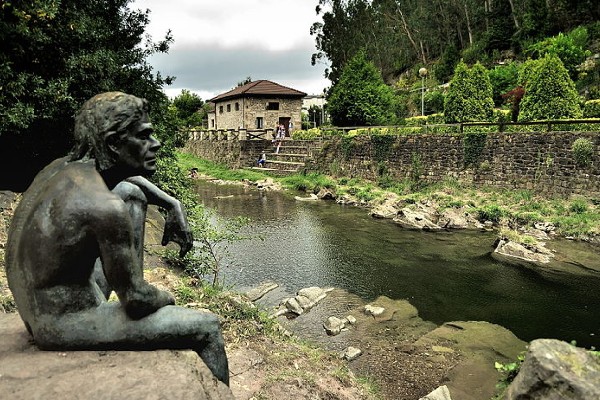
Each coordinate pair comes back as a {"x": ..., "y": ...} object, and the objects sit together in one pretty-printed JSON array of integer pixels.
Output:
[
  {"x": 490, "y": 213},
  {"x": 503, "y": 78},
  {"x": 435, "y": 119},
  {"x": 582, "y": 149},
  {"x": 549, "y": 93},
  {"x": 416, "y": 121},
  {"x": 309, "y": 134},
  {"x": 361, "y": 97},
  {"x": 469, "y": 97},
  {"x": 434, "y": 101},
  {"x": 591, "y": 109}
]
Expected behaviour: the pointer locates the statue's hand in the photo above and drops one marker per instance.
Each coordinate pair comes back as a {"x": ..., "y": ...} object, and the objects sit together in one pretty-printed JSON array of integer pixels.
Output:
[
  {"x": 177, "y": 229},
  {"x": 145, "y": 299}
]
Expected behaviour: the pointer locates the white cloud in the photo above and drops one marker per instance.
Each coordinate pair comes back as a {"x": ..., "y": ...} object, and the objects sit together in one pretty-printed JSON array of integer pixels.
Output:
[{"x": 218, "y": 44}]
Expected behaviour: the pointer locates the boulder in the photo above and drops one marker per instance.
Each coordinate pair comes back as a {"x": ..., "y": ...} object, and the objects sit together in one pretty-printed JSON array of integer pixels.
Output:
[
  {"x": 259, "y": 291},
  {"x": 411, "y": 219},
  {"x": 374, "y": 311},
  {"x": 384, "y": 210},
  {"x": 311, "y": 197},
  {"x": 520, "y": 254},
  {"x": 554, "y": 369},
  {"x": 453, "y": 218},
  {"x": 268, "y": 184},
  {"x": 326, "y": 194},
  {"x": 441, "y": 393},
  {"x": 480, "y": 344},
  {"x": 388, "y": 208},
  {"x": 351, "y": 353},
  {"x": 304, "y": 300},
  {"x": 333, "y": 326},
  {"x": 28, "y": 373}
]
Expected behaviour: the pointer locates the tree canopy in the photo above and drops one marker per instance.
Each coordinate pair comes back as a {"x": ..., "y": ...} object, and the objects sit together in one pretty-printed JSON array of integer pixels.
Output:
[
  {"x": 470, "y": 94},
  {"x": 360, "y": 97},
  {"x": 398, "y": 34},
  {"x": 549, "y": 92},
  {"x": 56, "y": 55}
]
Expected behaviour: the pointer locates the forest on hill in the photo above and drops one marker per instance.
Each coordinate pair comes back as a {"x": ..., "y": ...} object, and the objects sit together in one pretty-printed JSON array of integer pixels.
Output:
[
  {"x": 423, "y": 43},
  {"x": 398, "y": 35}
]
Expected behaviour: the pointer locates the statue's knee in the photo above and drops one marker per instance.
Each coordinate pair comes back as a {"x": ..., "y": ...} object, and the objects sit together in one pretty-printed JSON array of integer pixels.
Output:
[{"x": 129, "y": 192}]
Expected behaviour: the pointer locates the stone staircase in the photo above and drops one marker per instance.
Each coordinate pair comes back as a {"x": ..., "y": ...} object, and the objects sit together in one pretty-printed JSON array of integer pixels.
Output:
[{"x": 290, "y": 159}]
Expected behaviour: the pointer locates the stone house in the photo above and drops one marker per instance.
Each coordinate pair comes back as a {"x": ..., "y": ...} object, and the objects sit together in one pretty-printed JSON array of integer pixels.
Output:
[{"x": 257, "y": 105}]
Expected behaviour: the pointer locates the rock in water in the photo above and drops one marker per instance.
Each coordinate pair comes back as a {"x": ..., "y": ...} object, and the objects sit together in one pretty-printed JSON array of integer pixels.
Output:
[{"x": 554, "y": 369}]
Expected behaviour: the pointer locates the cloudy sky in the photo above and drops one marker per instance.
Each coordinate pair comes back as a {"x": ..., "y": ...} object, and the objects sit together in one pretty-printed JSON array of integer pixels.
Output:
[{"x": 220, "y": 43}]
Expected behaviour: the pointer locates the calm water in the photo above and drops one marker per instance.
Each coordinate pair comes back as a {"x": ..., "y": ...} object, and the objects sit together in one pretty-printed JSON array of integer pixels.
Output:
[{"x": 446, "y": 276}]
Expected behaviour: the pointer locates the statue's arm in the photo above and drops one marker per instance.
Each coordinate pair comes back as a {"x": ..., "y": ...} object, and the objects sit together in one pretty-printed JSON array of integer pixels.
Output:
[
  {"x": 176, "y": 225},
  {"x": 114, "y": 233}
]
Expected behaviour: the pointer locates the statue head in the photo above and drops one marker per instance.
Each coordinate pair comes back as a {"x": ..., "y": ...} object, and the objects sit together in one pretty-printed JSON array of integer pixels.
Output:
[{"x": 104, "y": 123}]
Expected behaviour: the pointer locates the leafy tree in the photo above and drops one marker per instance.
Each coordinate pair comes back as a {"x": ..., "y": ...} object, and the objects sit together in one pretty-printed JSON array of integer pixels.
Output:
[
  {"x": 569, "y": 48},
  {"x": 56, "y": 55},
  {"x": 189, "y": 108},
  {"x": 245, "y": 81},
  {"x": 549, "y": 93},
  {"x": 360, "y": 97},
  {"x": 503, "y": 79},
  {"x": 444, "y": 68},
  {"x": 469, "y": 97}
]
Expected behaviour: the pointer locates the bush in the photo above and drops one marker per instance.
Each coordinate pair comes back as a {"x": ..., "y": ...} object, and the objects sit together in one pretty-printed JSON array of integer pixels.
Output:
[
  {"x": 469, "y": 97},
  {"x": 582, "y": 149},
  {"x": 591, "y": 109},
  {"x": 490, "y": 213},
  {"x": 434, "y": 119},
  {"x": 549, "y": 93},
  {"x": 434, "y": 101},
  {"x": 361, "y": 97},
  {"x": 503, "y": 78},
  {"x": 309, "y": 134}
]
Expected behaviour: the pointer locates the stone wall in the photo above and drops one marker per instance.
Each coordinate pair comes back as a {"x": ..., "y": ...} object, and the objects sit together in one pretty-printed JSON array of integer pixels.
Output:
[
  {"x": 541, "y": 161},
  {"x": 233, "y": 153}
]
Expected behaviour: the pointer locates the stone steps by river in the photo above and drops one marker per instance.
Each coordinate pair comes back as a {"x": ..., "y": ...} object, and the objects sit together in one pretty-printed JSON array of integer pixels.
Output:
[{"x": 290, "y": 158}]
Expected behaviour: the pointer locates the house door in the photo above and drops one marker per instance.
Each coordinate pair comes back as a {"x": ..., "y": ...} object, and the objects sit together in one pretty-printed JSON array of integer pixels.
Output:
[{"x": 285, "y": 121}]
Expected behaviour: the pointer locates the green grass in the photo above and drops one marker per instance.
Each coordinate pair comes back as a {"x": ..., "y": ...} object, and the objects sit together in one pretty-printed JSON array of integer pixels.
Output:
[{"x": 215, "y": 170}]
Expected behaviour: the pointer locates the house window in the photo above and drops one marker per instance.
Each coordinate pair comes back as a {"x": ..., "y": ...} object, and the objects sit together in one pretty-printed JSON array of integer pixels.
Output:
[
  {"x": 228, "y": 107},
  {"x": 220, "y": 109},
  {"x": 212, "y": 123},
  {"x": 259, "y": 123},
  {"x": 273, "y": 105},
  {"x": 237, "y": 106}
]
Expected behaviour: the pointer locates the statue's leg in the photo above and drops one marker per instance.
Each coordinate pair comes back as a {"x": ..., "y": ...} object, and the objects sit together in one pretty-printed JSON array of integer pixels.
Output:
[
  {"x": 107, "y": 327},
  {"x": 137, "y": 205}
]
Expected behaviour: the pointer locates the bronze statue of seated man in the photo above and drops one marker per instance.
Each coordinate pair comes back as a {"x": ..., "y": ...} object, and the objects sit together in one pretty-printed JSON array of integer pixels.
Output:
[{"x": 88, "y": 209}]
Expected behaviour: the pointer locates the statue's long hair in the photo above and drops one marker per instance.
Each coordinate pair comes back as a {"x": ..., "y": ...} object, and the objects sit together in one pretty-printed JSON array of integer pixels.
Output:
[{"x": 100, "y": 115}]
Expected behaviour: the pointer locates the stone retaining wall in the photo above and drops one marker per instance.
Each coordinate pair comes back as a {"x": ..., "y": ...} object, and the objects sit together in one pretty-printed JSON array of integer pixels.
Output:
[
  {"x": 541, "y": 161},
  {"x": 233, "y": 153}
]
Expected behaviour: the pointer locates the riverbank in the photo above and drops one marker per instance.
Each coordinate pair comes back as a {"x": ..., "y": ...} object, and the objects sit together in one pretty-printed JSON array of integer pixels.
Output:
[{"x": 524, "y": 220}]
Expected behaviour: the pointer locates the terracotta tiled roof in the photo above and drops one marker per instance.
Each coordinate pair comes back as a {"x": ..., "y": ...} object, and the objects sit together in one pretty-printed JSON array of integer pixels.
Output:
[{"x": 259, "y": 88}]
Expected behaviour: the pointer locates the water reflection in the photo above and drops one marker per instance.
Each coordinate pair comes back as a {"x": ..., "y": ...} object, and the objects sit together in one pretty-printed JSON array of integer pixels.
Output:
[{"x": 447, "y": 276}]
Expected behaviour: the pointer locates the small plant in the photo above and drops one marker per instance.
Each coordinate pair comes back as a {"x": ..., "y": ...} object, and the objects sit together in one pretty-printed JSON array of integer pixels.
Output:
[
  {"x": 583, "y": 149},
  {"x": 490, "y": 213},
  {"x": 509, "y": 371},
  {"x": 578, "y": 206}
]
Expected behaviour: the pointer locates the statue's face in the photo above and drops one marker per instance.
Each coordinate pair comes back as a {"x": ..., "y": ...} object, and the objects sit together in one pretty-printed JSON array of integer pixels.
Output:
[{"x": 137, "y": 152}]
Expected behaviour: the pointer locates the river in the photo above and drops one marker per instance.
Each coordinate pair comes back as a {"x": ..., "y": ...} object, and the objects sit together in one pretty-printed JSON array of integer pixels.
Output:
[{"x": 447, "y": 276}]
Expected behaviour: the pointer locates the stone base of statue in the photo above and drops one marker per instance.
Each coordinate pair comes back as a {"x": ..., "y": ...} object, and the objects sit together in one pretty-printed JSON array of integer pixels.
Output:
[{"x": 27, "y": 373}]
